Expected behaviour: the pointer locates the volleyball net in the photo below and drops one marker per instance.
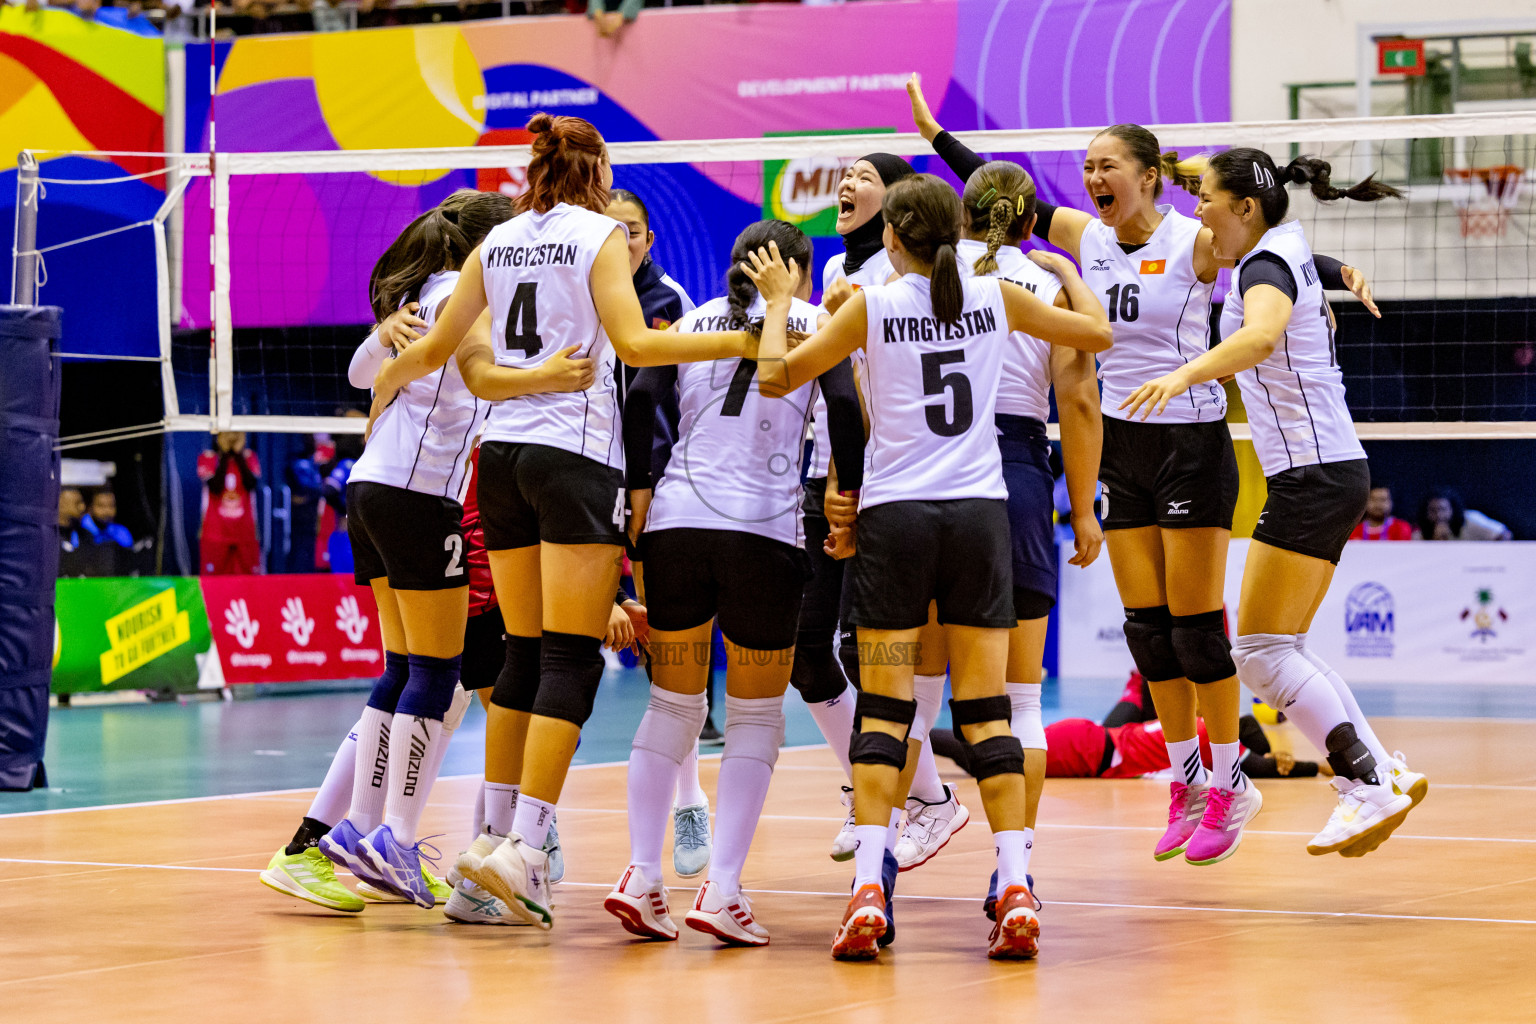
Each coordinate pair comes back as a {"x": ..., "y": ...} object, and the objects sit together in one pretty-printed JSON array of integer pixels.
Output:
[{"x": 261, "y": 260}]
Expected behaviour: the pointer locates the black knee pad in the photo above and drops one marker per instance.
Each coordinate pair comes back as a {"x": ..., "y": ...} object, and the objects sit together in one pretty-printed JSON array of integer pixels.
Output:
[
  {"x": 877, "y": 747},
  {"x": 816, "y": 673},
  {"x": 570, "y": 667},
  {"x": 1031, "y": 604},
  {"x": 979, "y": 710},
  {"x": 1000, "y": 755},
  {"x": 518, "y": 684},
  {"x": 1201, "y": 643},
  {"x": 1149, "y": 635}
]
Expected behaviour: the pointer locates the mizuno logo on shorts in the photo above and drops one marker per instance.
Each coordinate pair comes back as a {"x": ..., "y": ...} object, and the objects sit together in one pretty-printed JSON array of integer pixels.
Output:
[{"x": 1176, "y": 508}]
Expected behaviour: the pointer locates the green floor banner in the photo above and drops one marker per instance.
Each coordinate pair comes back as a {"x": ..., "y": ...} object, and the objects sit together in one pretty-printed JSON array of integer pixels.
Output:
[{"x": 129, "y": 634}]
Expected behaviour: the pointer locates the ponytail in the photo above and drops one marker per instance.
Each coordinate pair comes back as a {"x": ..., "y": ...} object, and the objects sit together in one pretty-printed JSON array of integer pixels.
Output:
[
  {"x": 1309, "y": 170},
  {"x": 1251, "y": 174},
  {"x": 999, "y": 200},
  {"x": 945, "y": 289},
  {"x": 740, "y": 292},
  {"x": 568, "y": 156},
  {"x": 1183, "y": 173}
]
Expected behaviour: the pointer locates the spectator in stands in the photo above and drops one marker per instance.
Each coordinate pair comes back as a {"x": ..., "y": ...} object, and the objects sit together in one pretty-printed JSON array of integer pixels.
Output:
[
  {"x": 305, "y": 491},
  {"x": 71, "y": 508},
  {"x": 1379, "y": 522},
  {"x": 229, "y": 545},
  {"x": 101, "y": 521},
  {"x": 610, "y": 22},
  {"x": 1443, "y": 516},
  {"x": 101, "y": 545}
]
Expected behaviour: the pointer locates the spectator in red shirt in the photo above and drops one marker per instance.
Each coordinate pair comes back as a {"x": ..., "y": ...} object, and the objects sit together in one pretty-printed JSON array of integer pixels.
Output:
[
  {"x": 1379, "y": 522},
  {"x": 228, "y": 545}
]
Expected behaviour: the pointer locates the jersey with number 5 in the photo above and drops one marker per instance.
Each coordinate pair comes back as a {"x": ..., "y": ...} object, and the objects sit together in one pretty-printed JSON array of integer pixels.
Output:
[
  {"x": 1160, "y": 313},
  {"x": 537, "y": 272},
  {"x": 932, "y": 393}
]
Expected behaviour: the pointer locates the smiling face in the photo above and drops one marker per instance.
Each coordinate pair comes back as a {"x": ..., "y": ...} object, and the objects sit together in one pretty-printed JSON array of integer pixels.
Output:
[
  {"x": 641, "y": 237},
  {"x": 1229, "y": 219},
  {"x": 1121, "y": 189},
  {"x": 858, "y": 196}
]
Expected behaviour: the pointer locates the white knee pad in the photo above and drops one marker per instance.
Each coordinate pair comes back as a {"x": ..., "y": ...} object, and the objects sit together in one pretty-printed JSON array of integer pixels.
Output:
[
  {"x": 1026, "y": 723},
  {"x": 671, "y": 724},
  {"x": 754, "y": 728},
  {"x": 1272, "y": 667},
  {"x": 462, "y": 698},
  {"x": 928, "y": 691}
]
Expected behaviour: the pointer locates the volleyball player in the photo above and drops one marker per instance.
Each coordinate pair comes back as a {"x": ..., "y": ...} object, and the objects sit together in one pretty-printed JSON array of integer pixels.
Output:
[
  {"x": 663, "y": 302},
  {"x": 721, "y": 540},
  {"x": 932, "y": 522},
  {"x": 1170, "y": 488},
  {"x": 1278, "y": 339},
  {"x": 553, "y": 281}
]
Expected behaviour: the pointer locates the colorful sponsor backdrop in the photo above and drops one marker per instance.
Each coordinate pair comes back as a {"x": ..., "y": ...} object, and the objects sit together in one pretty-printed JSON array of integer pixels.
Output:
[
  {"x": 69, "y": 83},
  {"x": 302, "y": 245},
  {"x": 1397, "y": 612},
  {"x": 147, "y": 633}
]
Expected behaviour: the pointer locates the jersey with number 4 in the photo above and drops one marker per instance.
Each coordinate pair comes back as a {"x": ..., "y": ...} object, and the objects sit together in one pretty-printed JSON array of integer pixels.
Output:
[
  {"x": 932, "y": 393},
  {"x": 537, "y": 272},
  {"x": 1025, "y": 387},
  {"x": 422, "y": 441},
  {"x": 1295, "y": 398},
  {"x": 1160, "y": 313},
  {"x": 736, "y": 464}
]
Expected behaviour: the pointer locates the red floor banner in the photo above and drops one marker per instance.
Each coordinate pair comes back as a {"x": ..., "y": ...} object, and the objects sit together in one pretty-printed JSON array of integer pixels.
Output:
[{"x": 285, "y": 629}]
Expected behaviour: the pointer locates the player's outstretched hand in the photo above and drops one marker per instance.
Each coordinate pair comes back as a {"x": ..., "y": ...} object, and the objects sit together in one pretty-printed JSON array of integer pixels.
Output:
[
  {"x": 1087, "y": 538},
  {"x": 402, "y": 327},
  {"x": 776, "y": 280},
  {"x": 562, "y": 373},
  {"x": 1154, "y": 396},
  {"x": 1355, "y": 281},
  {"x": 922, "y": 117}
]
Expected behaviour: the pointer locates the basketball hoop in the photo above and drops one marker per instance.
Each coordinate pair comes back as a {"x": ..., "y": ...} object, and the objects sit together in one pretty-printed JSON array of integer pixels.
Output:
[{"x": 1483, "y": 197}]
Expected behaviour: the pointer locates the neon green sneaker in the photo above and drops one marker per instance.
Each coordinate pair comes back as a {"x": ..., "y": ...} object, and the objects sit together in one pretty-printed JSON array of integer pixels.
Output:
[
  {"x": 437, "y": 887},
  {"x": 310, "y": 876}
]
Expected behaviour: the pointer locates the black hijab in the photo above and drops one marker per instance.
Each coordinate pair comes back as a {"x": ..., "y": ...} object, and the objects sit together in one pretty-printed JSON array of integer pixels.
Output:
[{"x": 864, "y": 241}]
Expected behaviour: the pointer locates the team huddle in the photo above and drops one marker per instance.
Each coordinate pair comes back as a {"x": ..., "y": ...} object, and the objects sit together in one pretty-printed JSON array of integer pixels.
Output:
[{"x": 547, "y": 401}]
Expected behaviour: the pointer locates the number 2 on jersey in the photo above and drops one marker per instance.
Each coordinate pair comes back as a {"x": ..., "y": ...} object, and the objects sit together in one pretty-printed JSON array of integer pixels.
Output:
[
  {"x": 523, "y": 321},
  {"x": 936, "y": 382}
]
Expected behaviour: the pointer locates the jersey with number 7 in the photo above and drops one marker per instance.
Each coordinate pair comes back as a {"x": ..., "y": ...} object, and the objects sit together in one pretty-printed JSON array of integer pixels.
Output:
[
  {"x": 537, "y": 285},
  {"x": 932, "y": 394}
]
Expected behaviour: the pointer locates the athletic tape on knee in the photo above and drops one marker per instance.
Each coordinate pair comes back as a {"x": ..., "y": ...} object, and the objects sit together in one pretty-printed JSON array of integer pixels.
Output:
[
  {"x": 671, "y": 724},
  {"x": 754, "y": 728},
  {"x": 462, "y": 698},
  {"x": 1149, "y": 635},
  {"x": 1270, "y": 665},
  {"x": 816, "y": 673},
  {"x": 388, "y": 687},
  {"x": 570, "y": 668},
  {"x": 1201, "y": 643},
  {"x": 429, "y": 691},
  {"x": 928, "y": 691},
  {"x": 1027, "y": 723},
  {"x": 1000, "y": 755},
  {"x": 518, "y": 685}
]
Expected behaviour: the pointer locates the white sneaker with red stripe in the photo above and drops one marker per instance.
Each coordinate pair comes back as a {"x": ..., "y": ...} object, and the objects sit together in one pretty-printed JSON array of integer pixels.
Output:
[
  {"x": 641, "y": 908},
  {"x": 727, "y": 918}
]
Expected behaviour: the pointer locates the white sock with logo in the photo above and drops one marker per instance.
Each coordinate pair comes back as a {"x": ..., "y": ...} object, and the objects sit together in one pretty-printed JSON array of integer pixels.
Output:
[
  {"x": 1226, "y": 770},
  {"x": 1013, "y": 848},
  {"x": 532, "y": 819},
  {"x": 868, "y": 854},
  {"x": 1357, "y": 718},
  {"x": 500, "y": 801},
  {"x": 335, "y": 793},
  {"x": 370, "y": 780},
  {"x": 412, "y": 745},
  {"x": 835, "y": 720},
  {"x": 1184, "y": 755}
]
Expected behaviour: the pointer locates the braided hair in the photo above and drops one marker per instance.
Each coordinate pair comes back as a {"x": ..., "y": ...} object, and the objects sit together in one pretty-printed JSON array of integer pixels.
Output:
[
  {"x": 1000, "y": 200},
  {"x": 740, "y": 292}
]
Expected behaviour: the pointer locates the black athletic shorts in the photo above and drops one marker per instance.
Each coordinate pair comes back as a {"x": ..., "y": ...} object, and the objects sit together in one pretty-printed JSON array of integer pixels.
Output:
[
  {"x": 752, "y": 585},
  {"x": 532, "y": 492},
  {"x": 414, "y": 540},
  {"x": 913, "y": 552},
  {"x": 1312, "y": 510},
  {"x": 1173, "y": 475},
  {"x": 1031, "y": 504},
  {"x": 485, "y": 649}
]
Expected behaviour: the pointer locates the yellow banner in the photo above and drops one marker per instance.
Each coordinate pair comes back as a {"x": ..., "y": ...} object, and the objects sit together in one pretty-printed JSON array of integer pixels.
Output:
[{"x": 143, "y": 633}]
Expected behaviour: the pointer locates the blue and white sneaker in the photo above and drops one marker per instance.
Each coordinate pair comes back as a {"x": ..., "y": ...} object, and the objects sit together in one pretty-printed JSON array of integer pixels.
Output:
[
  {"x": 471, "y": 904},
  {"x": 691, "y": 845},
  {"x": 340, "y": 846},
  {"x": 989, "y": 905},
  {"x": 397, "y": 864},
  {"x": 889, "y": 868},
  {"x": 551, "y": 849}
]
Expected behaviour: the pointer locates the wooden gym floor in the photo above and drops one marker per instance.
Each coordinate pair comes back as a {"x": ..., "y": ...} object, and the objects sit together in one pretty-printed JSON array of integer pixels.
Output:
[{"x": 154, "y": 913}]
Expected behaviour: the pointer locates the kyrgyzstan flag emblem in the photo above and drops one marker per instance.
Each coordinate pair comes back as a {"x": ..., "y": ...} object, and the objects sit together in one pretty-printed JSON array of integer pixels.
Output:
[{"x": 1153, "y": 266}]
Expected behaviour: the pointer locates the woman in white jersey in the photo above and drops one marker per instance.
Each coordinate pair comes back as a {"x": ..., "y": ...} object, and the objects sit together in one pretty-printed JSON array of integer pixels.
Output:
[
  {"x": 553, "y": 281},
  {"x": 721, "y": 540},
  {"x": 1170, "y": 488},
  {"x": 933, "y": 522},
  {"x": 1278, "y": 338}
]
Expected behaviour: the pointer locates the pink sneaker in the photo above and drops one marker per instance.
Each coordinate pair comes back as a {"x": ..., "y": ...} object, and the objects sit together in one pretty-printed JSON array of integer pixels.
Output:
[
  {"x": 1184, "y": 813},
  {"x": 1226, "y": 812}
]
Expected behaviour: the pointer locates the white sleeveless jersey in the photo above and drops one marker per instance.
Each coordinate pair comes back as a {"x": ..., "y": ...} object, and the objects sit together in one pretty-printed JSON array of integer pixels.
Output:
[
  {"x": 1160, "y": 312},
  {"x": 1025, "y": 387},
  {"x": 736, "y": 464},
  {"x": 1295, "y": 398},
  {"x": 876, "y": 270},
  {"x": 932, "y": 394},
  {"x": 537, "y": 282},
  {"x": 423, "y": 440}
]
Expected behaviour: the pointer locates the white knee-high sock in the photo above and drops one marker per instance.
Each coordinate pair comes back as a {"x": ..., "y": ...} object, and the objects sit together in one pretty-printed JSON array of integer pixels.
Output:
[
  {"x": 668, "y": 733},
  {"x": 412, "y": 740},
  {"x": 1271, "y": 665},
  {"x": 432, "y": 764},
  {"x": 689, "y": 792},
  {"x": 926, "y": 784},
  {"x": 370, "y": 781},
  {"x": 754, "y": 730},
  {"x": 1347, "y": 699},
  {"x": 835, "y": 720},
  {"x": 335, "y": 794}
]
